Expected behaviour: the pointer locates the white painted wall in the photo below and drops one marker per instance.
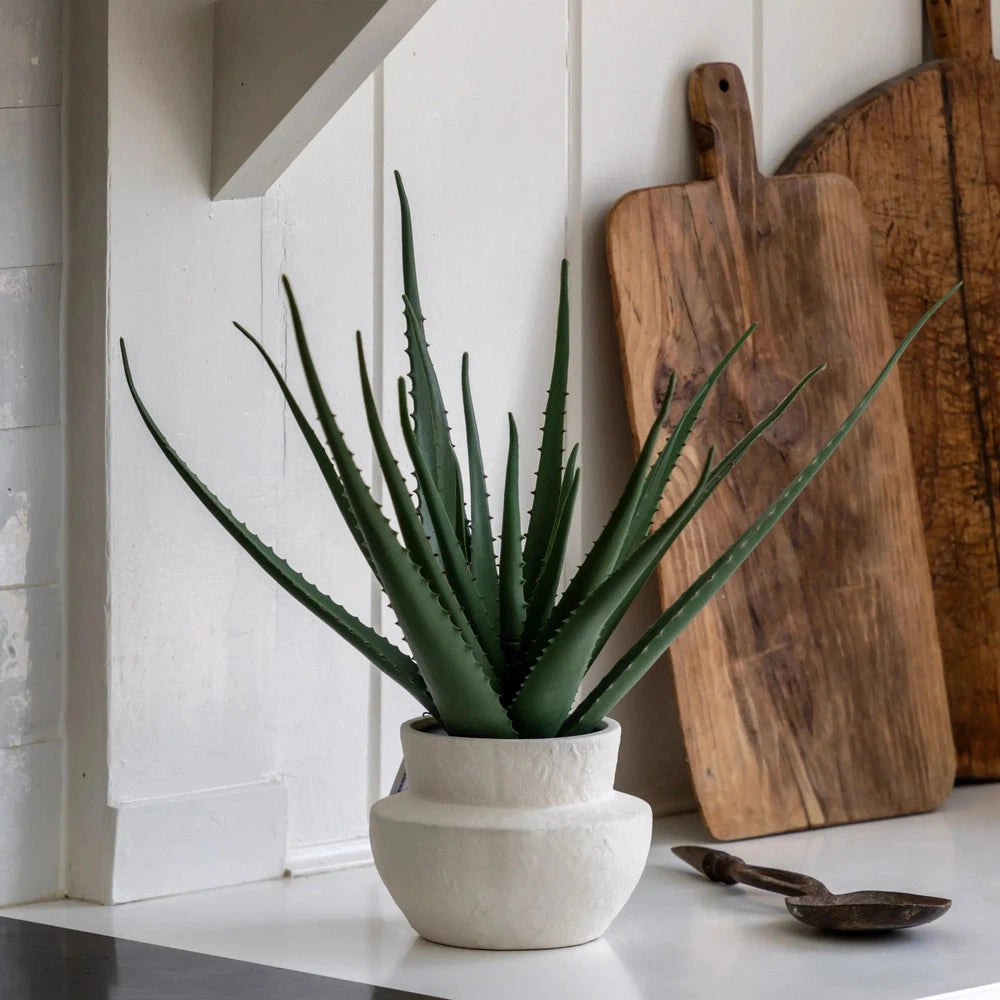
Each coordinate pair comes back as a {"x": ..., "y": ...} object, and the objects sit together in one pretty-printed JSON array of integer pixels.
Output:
[
  {"x": 31, "y": 450},
  {"x": 241, "y": 736}
]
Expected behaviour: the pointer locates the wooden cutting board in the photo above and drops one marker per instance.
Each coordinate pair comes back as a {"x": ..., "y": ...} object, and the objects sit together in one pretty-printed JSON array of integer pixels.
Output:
[
  {"x": 811, "y": 690},
  {"x": 924, "y": 150}
]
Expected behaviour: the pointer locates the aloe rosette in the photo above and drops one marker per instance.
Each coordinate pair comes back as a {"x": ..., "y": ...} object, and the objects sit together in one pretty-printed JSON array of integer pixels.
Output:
[{"x": 494, "y": 648}]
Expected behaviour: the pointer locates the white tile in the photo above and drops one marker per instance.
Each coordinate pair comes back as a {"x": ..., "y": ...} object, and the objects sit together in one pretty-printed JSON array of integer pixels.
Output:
[
  {"x": 30, "y": 52},
  {"x": 30, "y": 818},
  {"x": 29, "y": 346},
  {"x": 30, "y": 505},
  {"x": 30, "y": 665},
  {"x": 30, "y": 195}
]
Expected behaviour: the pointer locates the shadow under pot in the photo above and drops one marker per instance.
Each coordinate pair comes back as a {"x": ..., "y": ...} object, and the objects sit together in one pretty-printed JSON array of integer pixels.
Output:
[{"x": 510, "y": 844}]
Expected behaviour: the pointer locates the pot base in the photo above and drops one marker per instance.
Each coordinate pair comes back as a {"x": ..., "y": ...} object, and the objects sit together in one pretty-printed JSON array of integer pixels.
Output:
[
  {"x": 507, "y": 879},
  {"x": 510, "y": 845}
]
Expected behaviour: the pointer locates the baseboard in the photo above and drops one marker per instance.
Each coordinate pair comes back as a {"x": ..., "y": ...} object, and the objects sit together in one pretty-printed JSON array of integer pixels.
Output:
[
  {"x": 203, "y": 840},
  {"x": 315, "y": 858}
]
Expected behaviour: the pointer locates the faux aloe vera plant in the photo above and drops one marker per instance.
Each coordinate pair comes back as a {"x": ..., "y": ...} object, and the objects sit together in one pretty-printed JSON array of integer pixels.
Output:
[{"x": 494, "y": 648}]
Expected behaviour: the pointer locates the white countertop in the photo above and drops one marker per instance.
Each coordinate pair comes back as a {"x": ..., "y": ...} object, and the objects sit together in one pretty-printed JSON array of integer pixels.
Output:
[{"x": 680, "y": 936}]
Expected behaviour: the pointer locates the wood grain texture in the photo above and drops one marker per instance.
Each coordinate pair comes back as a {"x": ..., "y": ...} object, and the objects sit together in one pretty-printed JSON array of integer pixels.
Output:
[
  {"x": 811, "y": 689},
  {"x": 924, "y": 150}
]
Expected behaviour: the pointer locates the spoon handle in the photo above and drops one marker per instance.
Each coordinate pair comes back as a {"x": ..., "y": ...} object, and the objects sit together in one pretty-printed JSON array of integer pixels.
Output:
[{"x": 727, "y": 868}]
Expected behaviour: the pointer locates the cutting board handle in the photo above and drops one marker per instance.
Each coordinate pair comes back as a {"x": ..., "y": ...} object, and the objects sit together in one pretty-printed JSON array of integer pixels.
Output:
[
  {"x": 961, "y": 29},
  {"x": 723, "y": 128}
]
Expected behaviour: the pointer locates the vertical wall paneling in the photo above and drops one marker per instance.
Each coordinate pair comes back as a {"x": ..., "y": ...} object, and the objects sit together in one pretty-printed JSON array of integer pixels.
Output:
[
  {"x": 635, "y": 61},
  {"x": 379, "y": 754},
  {"x": 320, "y": 684},
  {"x": 89, "y": 851},
  {"x": 576, "y": 404},
  {"x": 192, "y": 619},
  {"x": 475, "y": 119},
  {"x": 31, "y": 451},
  {"x": 175, "y": 308}
]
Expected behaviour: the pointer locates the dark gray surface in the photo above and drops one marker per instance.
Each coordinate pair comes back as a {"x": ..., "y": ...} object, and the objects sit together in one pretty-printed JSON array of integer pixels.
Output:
[{"x": 40, "y": 962}]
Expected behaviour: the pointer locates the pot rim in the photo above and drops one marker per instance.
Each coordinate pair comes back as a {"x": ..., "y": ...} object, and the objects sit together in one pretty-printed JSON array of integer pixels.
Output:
[{"x": 423, "y": 725}]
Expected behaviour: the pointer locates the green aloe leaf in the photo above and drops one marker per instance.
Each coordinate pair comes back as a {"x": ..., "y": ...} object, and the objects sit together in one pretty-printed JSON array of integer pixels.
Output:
[
  {"x": 680, "y": 518},
  {"x": 603, "y": 556},
  {"x": 467, "y": 704},
  {"x": 549, "y": 476},
  {"x": 546, "y": 697},
  {"x": 512, "y": 604},
  {"x": 459, "y": 574},
  {"x": 481, "y": 556},
  {"x": 412, "y": 529},
  {"x": 659, "y": 474},
  {"x": 743, "y": 445},
  {"x": 393, "y": 662},
  {"x": 326, "y": 466},
  {"x": 544, "y": 595},
  {"x": 658, "y": 637},
  {"x": 429, "y": 414},
  {"x": 621, "y": 537}
]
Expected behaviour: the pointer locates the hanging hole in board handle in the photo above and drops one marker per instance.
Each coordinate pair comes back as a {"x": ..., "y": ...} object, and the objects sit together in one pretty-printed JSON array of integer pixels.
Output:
[{"x": 723, "y": 85}]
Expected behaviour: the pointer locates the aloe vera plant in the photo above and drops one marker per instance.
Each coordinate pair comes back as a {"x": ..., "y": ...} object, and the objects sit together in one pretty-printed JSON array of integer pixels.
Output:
[{"x": 495, "y": 649}]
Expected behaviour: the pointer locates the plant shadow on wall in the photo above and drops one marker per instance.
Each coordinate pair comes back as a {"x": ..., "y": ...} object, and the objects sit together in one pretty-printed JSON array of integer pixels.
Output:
[{"x": 495, "y": 649}]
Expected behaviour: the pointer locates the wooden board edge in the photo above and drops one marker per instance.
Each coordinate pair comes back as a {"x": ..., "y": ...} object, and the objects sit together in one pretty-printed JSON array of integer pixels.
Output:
[{"x": 821, "y": 132}]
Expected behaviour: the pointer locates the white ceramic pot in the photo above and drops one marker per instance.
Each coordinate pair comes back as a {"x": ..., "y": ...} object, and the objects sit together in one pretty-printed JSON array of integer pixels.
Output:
[{"x": 510, "y": 844}]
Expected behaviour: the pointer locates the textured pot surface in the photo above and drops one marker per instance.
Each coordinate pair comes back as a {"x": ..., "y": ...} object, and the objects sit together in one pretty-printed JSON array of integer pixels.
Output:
[{"x": 510, "y": 844}]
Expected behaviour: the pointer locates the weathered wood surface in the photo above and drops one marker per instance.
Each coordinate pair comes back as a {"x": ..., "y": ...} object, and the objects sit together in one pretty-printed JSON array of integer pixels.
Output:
[
  {"x": 924, "y": 150},
  {"x": 811, "y": 689}
]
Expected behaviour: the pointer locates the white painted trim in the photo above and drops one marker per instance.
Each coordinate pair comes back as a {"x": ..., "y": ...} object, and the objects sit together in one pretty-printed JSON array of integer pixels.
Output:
[
  {"x": 315, "y": 858},
  {"x": 283, "y": 68},
  {"x": 179, "y": 843}
]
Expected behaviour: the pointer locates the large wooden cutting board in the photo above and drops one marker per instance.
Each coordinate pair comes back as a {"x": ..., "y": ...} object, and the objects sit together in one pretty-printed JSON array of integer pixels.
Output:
[
  {"x": 811, "y": 690},
  {"x": 924, "y": 150}
]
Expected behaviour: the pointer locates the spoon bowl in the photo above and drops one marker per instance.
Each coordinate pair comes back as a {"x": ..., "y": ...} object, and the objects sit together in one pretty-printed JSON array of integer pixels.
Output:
[
  {"x": 867, "y": 910},
  {"x": 811, "y": 902}
]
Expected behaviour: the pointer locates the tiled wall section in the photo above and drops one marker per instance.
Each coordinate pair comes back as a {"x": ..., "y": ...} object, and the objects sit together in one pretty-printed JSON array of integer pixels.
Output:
[{"x": 31, "y": 450}]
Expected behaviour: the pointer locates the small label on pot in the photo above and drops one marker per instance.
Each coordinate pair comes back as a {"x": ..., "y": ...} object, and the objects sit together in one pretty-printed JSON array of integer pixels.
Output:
[{"x": 399, "y": 784}]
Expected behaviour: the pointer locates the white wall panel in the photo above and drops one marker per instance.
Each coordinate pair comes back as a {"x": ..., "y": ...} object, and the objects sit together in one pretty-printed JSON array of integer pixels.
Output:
[
  {"x": 192, "y": 617},
  {"x": 323, "y": 225},
  {"x": 634, "y": 133},
  {"x": 29, "y": 346},
  {"x": 475, "y": 120},
  {"x": 816, "y": 57}
]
